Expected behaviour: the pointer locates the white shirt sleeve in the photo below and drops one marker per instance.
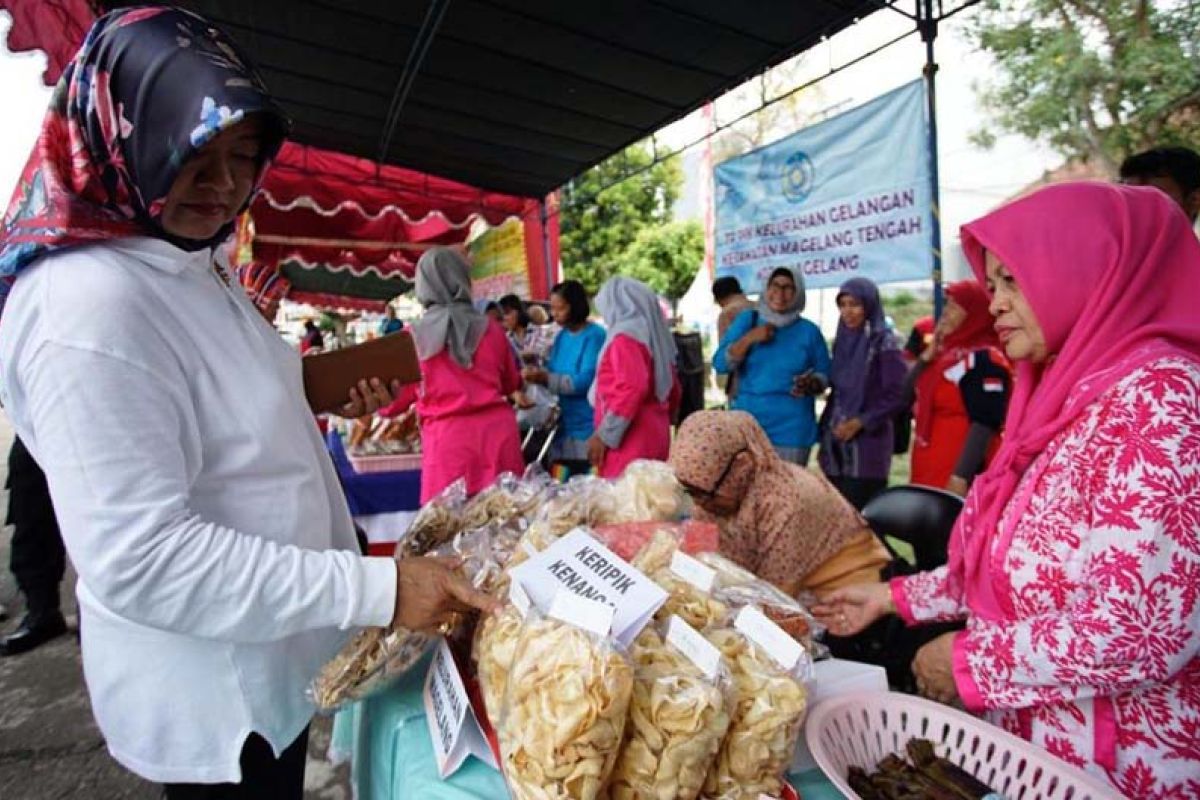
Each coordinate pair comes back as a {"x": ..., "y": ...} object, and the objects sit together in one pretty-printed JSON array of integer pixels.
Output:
[{"x": 111, "y": 438}]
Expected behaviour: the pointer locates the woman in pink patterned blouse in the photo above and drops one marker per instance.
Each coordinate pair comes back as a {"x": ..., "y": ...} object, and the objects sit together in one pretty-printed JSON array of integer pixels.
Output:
[{"x": 1076, "y": 561}]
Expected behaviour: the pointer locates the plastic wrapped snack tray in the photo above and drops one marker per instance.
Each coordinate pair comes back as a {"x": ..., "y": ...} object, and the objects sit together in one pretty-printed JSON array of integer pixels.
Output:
[
  {"x": 397, "y": 462},
  {"x": 859, "y": 729}
]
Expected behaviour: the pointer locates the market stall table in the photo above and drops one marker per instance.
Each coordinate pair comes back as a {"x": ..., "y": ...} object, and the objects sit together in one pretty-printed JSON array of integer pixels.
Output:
[
  {"x": 386, "y": 740},
  {"x": 382, "y": 503}
]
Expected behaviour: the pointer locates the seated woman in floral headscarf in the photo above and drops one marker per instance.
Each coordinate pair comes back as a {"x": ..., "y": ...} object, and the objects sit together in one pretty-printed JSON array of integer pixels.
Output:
[{"x": 780, "y": 521}]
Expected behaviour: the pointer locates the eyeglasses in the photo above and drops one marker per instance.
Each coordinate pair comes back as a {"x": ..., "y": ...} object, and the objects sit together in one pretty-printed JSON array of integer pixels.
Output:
[{"x": 708, "y": 494}]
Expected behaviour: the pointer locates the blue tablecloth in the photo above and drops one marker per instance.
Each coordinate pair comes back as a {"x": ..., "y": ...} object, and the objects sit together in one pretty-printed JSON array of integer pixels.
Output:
[
  {"x": 391, "y": 755},
  {"x": 374, "y": 492}
]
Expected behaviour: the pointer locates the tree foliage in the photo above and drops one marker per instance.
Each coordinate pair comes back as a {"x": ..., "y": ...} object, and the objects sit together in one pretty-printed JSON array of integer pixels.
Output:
[
  {"x": 1095, "y": 79},
  {"x": 605, "y": 208},
  {"x": 666, "y": 257}
]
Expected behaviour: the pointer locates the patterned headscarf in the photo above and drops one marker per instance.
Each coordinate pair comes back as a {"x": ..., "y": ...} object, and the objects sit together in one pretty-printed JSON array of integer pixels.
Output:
[
  {"x": 149, "y": 87},
  {"x": 854, "y": 349},
  {"x": 771, "y": 494},
  {"x": 450, "y": 320},
  {"x": 630, "y": 308}
]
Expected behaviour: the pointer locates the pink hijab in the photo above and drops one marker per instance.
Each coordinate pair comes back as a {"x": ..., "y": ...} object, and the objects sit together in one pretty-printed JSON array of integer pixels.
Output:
[{"x": 1113, "y": 276}]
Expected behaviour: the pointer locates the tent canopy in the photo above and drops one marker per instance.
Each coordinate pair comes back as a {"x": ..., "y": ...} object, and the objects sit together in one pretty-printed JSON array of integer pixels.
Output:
[
  {"x": 515, "y": 96},
  {"x": 340, "y": 225}
]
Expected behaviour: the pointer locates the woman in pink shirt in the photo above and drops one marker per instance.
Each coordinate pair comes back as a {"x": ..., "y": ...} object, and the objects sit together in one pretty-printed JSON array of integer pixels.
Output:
[
  {"x": 1076, "y": 560},
  {"x": 636, "y": 387},
  {"x": 468, "y": 429}
]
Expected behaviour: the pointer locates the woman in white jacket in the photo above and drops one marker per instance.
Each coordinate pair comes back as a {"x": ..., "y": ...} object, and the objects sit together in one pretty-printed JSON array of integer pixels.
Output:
[{"x": 217, "y": 561}]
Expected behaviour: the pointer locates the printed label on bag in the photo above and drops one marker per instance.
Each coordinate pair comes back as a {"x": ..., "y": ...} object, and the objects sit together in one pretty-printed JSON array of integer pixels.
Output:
[
  {"x": 693, "y": 571},
  {"x": 700, "y": 651},
  {"x": 588, "y": 569},
  {"x": 519, "y": 598},
  {"x": 760, "y": 630},
  {"x": 574, "y": 610}
]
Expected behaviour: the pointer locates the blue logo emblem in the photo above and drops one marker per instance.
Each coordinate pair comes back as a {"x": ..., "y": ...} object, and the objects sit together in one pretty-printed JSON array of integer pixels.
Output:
[{"x": 797, "y": 176}]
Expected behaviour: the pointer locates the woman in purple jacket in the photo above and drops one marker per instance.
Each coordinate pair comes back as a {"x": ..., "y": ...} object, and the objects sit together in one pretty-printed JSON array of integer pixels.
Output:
[{"x": 867, "y": 380}]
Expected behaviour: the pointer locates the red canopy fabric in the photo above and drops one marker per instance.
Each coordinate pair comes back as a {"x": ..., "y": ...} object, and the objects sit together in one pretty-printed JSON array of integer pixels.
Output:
[
  {"x": 56, "y": 27},
  {"x": 321, "y": 207}
]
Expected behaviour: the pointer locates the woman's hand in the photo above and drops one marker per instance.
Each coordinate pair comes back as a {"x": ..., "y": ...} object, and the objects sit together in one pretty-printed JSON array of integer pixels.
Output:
[
  {"x": 761, "y": 334},
  {"x": 535, "y": 375},
  {"x": 933, "y": 668},
  {"x": 847, "y": 430},
  {"x": 597, "y": 450},
  {"x": 807, "y": 384},
  {"x": 522, "y": 401},
  {"x": 851, "y": 609},
  {"x": 432, "y": 596},
  {"x": 369, "y": 397}
]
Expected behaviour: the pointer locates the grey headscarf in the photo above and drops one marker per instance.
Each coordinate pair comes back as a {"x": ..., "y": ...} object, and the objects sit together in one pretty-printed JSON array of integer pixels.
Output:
[
  {"x": 792, "y": 314},
  {"x": 444, "y": 289},
  {"x": 629, "y": 307}
]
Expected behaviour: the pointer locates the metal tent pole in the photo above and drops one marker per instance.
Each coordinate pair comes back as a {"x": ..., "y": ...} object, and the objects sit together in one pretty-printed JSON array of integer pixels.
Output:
[{"x": 927, "y": 22}]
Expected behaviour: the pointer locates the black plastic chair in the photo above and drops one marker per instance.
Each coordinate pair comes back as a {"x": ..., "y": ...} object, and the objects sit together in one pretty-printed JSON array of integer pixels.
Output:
[{"x": 919, "y": 515}]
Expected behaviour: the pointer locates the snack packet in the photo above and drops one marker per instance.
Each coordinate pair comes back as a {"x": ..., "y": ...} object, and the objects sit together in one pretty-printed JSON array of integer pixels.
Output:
[
  {"x": 678, "y": 717},
  {"x": 376, "y": 657},
  {"x": 509, "y": 497},
  {"x": 436, "y": 523},
  {"x": 564, "y": 712},
  {"x": 770, "y": 700},
  {"x": 647, "y": 490},
  {"x": 737, "y": 587},
  {"x": 659, "y": 560}
]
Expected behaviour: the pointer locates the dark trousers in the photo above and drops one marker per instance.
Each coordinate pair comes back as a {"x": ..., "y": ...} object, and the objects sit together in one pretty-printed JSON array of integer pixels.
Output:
[
  {"x": 859, "y": 491},
  {"x": 38, "y": 559},
  {"x": 264, "y": 777}
]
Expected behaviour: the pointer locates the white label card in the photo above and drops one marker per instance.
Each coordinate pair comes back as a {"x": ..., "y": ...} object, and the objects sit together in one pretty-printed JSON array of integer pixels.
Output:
[
  {"x": 583, "y": 566},
  {"x": 452, "y": 724},
  {"x": 693, "y": 571},
  {"x": 700, "y": 651},
  {"x": 574, "y": 610},
  {"x": 520, "y": 599},
  {"x": 770, "y": 637}
]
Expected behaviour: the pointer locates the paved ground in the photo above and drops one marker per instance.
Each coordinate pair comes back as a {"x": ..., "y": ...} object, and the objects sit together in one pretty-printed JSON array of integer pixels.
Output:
[{"x": 49, "y": 745}]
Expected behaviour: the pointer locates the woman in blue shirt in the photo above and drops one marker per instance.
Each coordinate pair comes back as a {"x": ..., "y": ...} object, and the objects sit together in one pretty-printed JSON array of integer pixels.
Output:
[
  {"x": 781, "y": 362},
  {"x": 569, "y": 373}
]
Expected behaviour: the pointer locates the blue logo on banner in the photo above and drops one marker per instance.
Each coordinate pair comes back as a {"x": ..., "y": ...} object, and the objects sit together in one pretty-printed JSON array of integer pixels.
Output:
[{"x": 798, "y": 175}]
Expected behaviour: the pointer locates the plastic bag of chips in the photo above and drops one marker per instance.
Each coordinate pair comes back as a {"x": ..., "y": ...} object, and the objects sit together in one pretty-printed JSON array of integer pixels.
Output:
[
  {"x": 564, "y": 712},
  {"x": 769, "y": 703},
  {"x": 678, "y": 718}
]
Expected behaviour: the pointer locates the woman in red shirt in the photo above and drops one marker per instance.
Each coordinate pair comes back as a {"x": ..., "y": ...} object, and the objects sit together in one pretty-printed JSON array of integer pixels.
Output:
[{"x": 961, "y": 384}]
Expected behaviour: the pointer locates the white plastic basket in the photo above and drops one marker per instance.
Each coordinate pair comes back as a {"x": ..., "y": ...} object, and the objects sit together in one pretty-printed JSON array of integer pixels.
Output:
[{"x": 859, "y": 729}]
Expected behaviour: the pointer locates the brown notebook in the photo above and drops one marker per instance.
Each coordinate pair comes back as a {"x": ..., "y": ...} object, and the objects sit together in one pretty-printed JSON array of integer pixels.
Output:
[{"x": 329, "y": 376}]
